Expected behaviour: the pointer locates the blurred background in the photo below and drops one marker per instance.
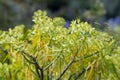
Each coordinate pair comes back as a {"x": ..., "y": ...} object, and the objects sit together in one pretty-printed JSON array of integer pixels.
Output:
[
  {"x": 96, "y": 12},
  {"x": 99, "y": 13}
]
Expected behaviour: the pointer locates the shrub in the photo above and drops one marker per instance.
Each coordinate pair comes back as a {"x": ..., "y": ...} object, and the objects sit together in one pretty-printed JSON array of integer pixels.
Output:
[{"x": 50, "y": 51}]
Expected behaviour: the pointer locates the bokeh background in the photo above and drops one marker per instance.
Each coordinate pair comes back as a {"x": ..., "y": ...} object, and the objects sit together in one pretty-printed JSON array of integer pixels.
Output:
[{"x": 99, "y": 13}]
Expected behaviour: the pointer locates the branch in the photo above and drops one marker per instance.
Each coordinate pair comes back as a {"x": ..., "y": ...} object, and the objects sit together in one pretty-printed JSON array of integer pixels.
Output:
[
  {"x": 91, "y": 55},
  {"x": 27, "y": 59},
  {"x": 38, "y": 73},
  {"x": 37, "y": 67},
  {"x": 67, "y": 67},
  {"x": 30, "y": 56},
  {"x": 81, "y": 72},
  {"x": 99, "y": 76},
  {"x": 88, "y": 56},
  {"x": 70, "y": 76},
  {"x": 69, "y": 64},
  {"x": 53, "y": 61}
]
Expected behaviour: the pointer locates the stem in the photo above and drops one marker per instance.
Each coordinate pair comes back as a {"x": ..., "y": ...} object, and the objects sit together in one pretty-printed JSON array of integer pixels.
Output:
[
  {"x": 99, "y": 76},
  {"x": 37, "y": 67},
  {"x": 38, "y": 73},
  {"x": 80, "y": 74},
  {"x": 70, "y": 77},
  {"x": 70, "y": 63},
  {"x": 67, "y": 67},
  {"x": 52, "y": 62}
]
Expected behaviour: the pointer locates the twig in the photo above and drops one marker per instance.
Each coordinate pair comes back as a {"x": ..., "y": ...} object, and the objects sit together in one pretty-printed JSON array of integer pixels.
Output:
[
  {"x": 88, "y": 56},
  {"x": 37, "y": 67},
  {"x": 70, "y": 77},
  {"x": 69, "y": 64},
  {"x": 52, "y": 62},
  {"x": 48, "y": 74},
  {"x": 67, "y": 67},
  {"x": 99, "y": 76},
  {"x": 30, "y": 56},
  {"x": 38, "y": 73},
  {"x": 81, "y": 72},
  {"x": 28, "y": 59}
]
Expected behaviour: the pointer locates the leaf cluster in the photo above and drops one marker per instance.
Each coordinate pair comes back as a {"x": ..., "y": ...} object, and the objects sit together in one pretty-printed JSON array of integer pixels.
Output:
[{"x": 49, "y": 51}]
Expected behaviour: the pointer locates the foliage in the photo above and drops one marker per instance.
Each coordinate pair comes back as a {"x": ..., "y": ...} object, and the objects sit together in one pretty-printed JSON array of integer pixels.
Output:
[{"x": 50, "y": 51}]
